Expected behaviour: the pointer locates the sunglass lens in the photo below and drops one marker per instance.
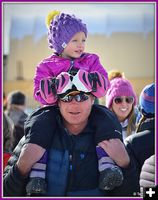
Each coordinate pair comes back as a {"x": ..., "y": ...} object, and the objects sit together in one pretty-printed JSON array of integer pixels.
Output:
[
  {"x": 81, "y": 97},
  {"x": 78, "y": 97},
  {"x": 85, "y": 97},
  {"x": 67, "y": 98},
  {"x": 129, "y": 100},
  {"x": 118, "y": 100}
]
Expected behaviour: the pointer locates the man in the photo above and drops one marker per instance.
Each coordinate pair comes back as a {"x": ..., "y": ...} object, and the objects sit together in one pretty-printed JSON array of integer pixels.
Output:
[{"x": 72, "y": 168}]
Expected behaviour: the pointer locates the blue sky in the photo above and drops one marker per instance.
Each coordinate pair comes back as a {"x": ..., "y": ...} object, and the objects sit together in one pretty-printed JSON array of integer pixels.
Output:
[{"x": 105, "y": 18}]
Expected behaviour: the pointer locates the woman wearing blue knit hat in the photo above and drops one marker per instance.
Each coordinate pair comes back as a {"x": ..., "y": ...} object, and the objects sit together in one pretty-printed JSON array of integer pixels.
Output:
[{"x": 146, "y": 104}]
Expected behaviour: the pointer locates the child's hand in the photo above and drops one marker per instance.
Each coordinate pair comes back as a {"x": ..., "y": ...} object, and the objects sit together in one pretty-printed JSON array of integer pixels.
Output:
[
  {"x": 116, "y": 150},
  {"x": 99, "y": 84},
  {"x": 48, "y": 90},
  {"x": 83, "y": 81},
  {"x": 63, "y": 82}
]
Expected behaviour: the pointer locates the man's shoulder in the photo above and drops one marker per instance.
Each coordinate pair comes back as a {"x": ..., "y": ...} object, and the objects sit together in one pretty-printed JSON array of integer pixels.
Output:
[
  {"x": 44, "y": 110},
  {"x": 102, "y": 114},
  {"x": 105, "y": 121},
  {"x": 42, "y": 115},
  {"x": 103, "y": 110}
]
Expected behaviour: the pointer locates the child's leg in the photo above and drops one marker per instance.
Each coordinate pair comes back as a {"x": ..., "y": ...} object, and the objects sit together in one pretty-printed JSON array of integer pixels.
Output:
[
  {"x": 104, "y": 161},
  {"x": 33, "y": 159},
  {"x": 37, "y": 183},
  {"x": 110, "y": 174},
  {"x": 39, "y": 168}
]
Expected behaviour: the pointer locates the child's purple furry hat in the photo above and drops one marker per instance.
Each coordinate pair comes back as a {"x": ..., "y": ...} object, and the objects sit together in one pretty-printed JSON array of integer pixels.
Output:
[{"x": 61, "y": 28}]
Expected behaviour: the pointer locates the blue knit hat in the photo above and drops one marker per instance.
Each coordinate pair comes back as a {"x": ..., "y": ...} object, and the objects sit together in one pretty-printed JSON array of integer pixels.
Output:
[
  {"x": 147, "y": 99},
  {"x": 62, "y": 28}
]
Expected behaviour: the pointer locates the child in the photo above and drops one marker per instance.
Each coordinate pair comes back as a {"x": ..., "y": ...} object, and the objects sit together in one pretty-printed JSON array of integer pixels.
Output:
[{"x": 55, "y": 75}]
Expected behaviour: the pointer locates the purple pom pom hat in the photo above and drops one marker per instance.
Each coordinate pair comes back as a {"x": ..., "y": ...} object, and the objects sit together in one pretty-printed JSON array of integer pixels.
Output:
[{"x": 61, "y": 29}]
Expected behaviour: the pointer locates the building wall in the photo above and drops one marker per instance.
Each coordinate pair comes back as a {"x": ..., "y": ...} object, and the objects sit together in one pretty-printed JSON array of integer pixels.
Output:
[{"x": 129, "y": 52}]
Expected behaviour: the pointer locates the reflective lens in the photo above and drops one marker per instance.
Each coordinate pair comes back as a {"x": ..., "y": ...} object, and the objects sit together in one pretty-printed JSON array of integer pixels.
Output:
[
  {"x": 79, "y": 97},
  {"x": 119, "y": 100}
]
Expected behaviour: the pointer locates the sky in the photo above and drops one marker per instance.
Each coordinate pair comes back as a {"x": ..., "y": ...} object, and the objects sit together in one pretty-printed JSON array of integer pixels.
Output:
[{"x": 20, "y": 19}]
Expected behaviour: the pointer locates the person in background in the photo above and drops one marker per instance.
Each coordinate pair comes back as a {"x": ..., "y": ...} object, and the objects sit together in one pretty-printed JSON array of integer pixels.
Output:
[
  {"x": 147, "y": 108},
  {"x": 70, "y": 65},
  {"x": 147, "y": 175},
  {"x": 115, "y": 73},
  {"x": 7, "y": 139},
  {"x": 121, "y": 99},
  {"x": 4, "y": 101},
  {"x": 141, "y": 145},
  {"x": 16, "y": 103}
]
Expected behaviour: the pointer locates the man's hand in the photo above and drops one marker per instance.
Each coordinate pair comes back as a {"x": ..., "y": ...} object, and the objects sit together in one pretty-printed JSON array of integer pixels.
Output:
[{"x": 116, "y": 150}]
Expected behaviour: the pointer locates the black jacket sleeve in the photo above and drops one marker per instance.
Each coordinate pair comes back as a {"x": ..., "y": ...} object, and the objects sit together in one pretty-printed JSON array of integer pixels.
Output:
[
  {"x": 141, "y": 146},
  {"x": 13, "y": 182},
  {"x": 105, "y": 124},
  {"x": 41, "y": 125}
]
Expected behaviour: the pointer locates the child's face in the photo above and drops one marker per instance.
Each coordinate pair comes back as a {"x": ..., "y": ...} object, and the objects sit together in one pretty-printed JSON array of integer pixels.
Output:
[{"x": 75, "y": 47}]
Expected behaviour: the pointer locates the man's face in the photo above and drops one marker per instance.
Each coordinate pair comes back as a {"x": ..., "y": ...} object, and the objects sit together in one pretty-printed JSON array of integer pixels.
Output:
[{"x": 76, "y": 113}]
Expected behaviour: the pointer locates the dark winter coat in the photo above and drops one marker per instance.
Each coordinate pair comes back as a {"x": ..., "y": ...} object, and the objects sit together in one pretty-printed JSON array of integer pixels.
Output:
[
  {"x": 18, "y": 117},
  {"x": 72, "y": 168}
]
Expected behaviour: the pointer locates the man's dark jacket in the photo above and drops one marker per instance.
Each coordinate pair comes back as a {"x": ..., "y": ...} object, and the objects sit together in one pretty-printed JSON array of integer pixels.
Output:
[{"x": 62, "y": 179}]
